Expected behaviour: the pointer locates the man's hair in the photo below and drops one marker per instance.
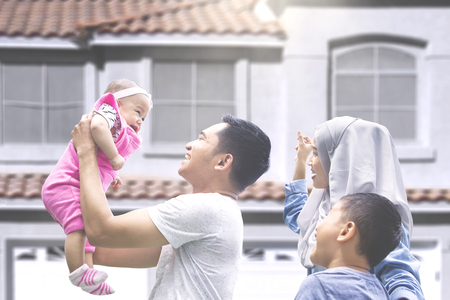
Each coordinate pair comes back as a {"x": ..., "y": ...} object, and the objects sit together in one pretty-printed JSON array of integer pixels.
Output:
[
  {"x": 250, "y": 148},
  {"x": 378, "y": 222},
  {"x": 118, "y": 85}
]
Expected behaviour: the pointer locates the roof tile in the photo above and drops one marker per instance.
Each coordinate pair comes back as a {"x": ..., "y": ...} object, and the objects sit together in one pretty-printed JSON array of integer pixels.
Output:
[
  {"x": 29, "y": 185},
  {"x": 66, "y": 18}
]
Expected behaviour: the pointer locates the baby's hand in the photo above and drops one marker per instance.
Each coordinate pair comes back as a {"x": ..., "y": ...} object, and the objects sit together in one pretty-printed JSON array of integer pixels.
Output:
[
  {"x": 303, "y": 147},
  {"x": 116, "y": 184},
  {"x": 117, "y": 162}
]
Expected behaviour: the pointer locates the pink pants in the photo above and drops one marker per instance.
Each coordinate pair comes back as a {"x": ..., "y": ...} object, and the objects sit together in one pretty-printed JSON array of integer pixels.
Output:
[{"x": 61, "y": 193}]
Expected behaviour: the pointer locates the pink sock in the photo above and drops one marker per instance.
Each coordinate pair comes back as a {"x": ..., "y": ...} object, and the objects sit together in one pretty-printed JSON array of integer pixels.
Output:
[
  {"x": 85, "y": 276},
  {"x": 99, "y": 289}
]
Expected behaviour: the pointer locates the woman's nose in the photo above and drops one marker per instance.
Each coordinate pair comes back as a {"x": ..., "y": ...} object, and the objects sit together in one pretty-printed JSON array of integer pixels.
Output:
[{"x": 309, "y": 162}]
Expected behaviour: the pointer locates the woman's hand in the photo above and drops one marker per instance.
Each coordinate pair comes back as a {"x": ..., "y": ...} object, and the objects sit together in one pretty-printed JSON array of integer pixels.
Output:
[{"x": 303, "y": 149}]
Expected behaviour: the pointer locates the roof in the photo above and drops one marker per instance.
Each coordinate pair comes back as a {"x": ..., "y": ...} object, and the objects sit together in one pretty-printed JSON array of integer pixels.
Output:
[
  {"x": 79, "y": 18},
  {"x": 29, "y": 185}
]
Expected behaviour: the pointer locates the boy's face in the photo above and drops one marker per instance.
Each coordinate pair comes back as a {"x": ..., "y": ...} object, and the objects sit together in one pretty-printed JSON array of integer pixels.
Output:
[
  {"x": 327, "y": 233},
  {"x": 134, "y": 109}
]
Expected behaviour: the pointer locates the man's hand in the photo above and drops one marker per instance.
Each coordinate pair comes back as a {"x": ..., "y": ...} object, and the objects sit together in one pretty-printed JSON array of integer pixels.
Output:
[
  {"x": 81, "y": 135},
  {"x": 116, "y": 184}
]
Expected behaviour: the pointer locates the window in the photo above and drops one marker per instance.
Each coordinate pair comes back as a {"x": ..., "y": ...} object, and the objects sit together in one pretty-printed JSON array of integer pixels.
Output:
[
  {"x": 40, "y": 102},
  {"x": 377, "y": 82},
  {"x": 190, "y": 96}
]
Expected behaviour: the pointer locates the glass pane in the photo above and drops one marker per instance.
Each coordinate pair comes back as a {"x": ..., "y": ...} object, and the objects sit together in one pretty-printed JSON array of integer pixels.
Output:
[
  {"x": 361, "y": 59},
  {"x": 354, "y": 90},
  {"x": 65, "y": 83},
  {"x": 172, "y": 80},
  {"x": 172, "y": 124},
  {"x": 393, "y": 59},
  {"x": 61, "y": 122},
  {"x": 397, "y": 90},
  {"x": 365, "y": 115},
  {"x": 23, "y": 125},
  {"x": 207, "y": 115},
  {"x": 401, "y": 124},
  {"x": 215, "y": 81},
  {"x": 23, "y": 82}
]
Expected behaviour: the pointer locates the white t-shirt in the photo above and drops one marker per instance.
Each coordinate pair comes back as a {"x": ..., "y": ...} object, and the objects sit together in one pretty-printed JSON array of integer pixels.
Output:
[{"x": 205, "y": 232}]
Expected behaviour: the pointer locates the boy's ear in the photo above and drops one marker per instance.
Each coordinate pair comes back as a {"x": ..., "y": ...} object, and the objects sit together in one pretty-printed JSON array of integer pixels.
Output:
[
  {"x": 224, "y": 162},
  {"x": 347, "y": 232}
]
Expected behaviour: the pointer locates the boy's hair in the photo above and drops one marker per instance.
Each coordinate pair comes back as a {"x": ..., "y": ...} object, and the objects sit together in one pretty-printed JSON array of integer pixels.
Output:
[
  {"x": 118, "y": 85},
  {"x": 378, "y": 222},
  {"x": 250, "y": 148}
]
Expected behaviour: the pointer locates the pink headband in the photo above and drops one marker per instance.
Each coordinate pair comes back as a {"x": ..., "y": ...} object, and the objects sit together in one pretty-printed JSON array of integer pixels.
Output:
[{"x": 133, "y": 91}]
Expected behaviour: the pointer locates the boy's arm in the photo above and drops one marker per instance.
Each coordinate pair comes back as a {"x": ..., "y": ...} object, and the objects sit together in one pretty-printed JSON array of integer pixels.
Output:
[
  {"x": 104, "y": 140},
  {"x": 131, "y": 230}
]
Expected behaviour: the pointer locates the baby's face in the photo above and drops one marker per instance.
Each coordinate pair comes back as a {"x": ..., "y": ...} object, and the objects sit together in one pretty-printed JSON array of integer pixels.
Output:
[{"x": 134, "y": 109}]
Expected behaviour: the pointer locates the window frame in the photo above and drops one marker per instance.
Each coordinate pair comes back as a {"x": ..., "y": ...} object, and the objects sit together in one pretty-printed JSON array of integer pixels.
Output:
[
  {"x": 30, "y": 153},
  {"x": 414, "y": 149},
  {"x": 240, "y": 103}
]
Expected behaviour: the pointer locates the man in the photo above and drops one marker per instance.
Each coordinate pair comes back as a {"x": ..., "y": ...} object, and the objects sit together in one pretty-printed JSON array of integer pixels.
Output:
[{"x": 196, "y": 239}]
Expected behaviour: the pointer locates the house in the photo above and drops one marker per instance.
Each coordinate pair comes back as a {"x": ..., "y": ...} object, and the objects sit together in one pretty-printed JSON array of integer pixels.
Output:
[{"x": 283, "y": 64}]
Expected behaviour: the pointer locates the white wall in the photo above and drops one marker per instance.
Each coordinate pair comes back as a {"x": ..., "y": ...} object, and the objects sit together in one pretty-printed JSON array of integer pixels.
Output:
[{"x": 310, "y": 30}]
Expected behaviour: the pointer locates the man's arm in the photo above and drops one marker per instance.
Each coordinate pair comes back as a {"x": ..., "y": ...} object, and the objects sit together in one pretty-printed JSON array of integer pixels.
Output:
[
  {"x": 127, "y": 258},
  {"x": 131, "y": 230}
]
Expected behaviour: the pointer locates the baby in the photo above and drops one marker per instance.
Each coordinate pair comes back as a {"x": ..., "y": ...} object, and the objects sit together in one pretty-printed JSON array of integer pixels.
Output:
[{"x": 117, "y": 120}]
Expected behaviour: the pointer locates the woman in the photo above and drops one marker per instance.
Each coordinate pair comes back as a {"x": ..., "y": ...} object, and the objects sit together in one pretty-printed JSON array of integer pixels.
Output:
[{"x": 351, "y": 156}]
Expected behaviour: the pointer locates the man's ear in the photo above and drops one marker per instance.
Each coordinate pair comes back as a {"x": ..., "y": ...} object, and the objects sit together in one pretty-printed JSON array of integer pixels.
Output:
[
  {"x": 224, "y": 162},
  {"x": 347, "y": 232}
]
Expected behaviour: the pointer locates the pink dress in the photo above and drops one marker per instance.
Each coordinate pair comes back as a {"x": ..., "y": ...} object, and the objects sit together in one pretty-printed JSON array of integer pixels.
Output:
[{"x": 61, "y": 190}]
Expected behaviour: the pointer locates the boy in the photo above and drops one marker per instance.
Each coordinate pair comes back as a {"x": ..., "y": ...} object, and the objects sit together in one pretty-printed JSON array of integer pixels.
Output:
[{"x": 357, "y": 234}]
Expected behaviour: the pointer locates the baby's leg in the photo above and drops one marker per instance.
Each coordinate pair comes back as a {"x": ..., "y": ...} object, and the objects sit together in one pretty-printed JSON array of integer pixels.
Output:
[
  {"x": 89, "y": 259},
  {"x": 81, "y": 269},
  {"x": 74, "y": 249}
]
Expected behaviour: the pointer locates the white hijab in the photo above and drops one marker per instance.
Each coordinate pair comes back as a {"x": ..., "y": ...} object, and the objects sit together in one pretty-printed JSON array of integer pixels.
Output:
[{"x": 358, "y": 157}]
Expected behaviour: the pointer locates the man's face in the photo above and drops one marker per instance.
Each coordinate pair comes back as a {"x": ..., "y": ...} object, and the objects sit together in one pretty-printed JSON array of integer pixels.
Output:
[
  {"x": 200, "y": 155},
  {"x": 327, "y": 233}
]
